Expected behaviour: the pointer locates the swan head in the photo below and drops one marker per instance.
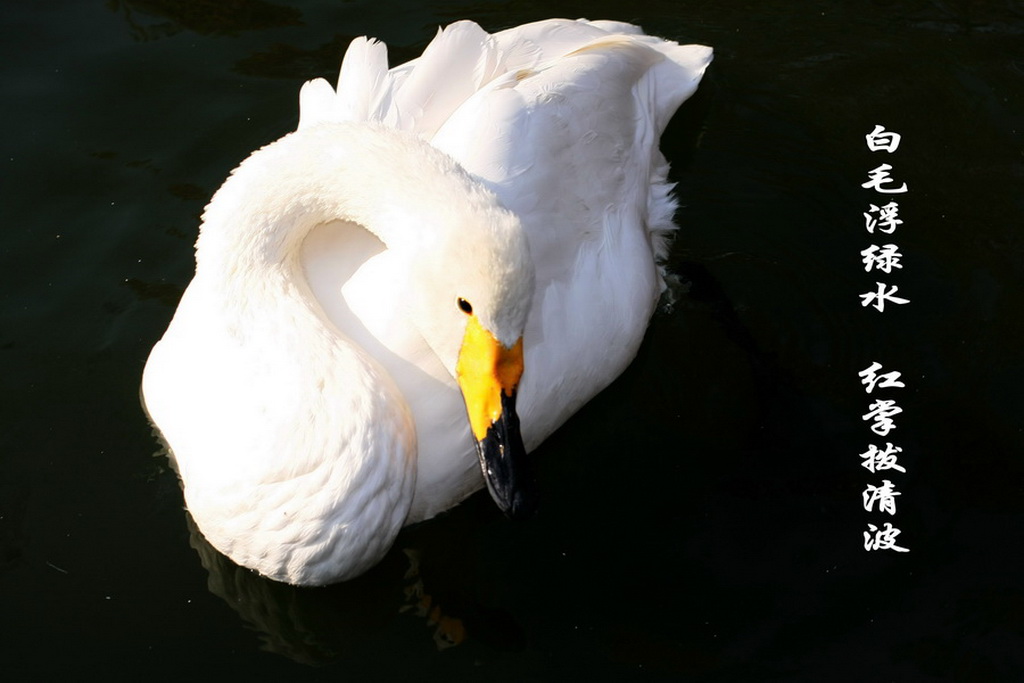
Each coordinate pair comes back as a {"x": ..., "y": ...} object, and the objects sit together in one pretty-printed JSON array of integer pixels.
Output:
[{"x": 472, "y": 283}]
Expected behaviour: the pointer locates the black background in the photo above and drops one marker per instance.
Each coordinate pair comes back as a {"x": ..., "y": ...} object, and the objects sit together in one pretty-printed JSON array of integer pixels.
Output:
[{"x": 702, "y": 518}]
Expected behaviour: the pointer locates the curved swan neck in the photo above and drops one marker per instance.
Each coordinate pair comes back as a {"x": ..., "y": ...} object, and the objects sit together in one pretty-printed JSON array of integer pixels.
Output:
[
  {"x": 417, "y": 200},
  {"x": 365, "y": 174}
]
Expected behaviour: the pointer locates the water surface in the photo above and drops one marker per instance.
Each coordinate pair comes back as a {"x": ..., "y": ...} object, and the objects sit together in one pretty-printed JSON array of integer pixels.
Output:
[{"x": 702, "y": 518}]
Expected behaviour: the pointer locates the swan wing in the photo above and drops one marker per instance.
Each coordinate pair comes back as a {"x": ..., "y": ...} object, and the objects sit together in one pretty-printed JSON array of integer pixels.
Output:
[{"x": 570, "y": 145}]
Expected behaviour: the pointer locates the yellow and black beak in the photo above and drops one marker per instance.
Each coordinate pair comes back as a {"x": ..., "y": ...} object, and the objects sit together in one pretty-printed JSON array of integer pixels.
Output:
[{"x": 488, "y": 374}]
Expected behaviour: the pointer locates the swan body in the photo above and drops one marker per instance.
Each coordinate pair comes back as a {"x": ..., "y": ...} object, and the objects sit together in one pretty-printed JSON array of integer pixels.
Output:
[{"x": 437, "y": 249}]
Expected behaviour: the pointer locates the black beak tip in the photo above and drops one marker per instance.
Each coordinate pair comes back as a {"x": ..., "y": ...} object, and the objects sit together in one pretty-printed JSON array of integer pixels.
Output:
[
  {"x": 519, "y": 503},
  {"x": 506, "y": 466},
  {"x": 524, "y": 506}
]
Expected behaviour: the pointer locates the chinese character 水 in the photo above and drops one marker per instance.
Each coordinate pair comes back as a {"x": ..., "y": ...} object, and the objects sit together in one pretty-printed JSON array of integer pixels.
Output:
[{"x": 881, "y": 296}]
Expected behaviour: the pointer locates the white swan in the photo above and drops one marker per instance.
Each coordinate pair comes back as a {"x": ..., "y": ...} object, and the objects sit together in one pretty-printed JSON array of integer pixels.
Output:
[{"x": 473, "y": 230}]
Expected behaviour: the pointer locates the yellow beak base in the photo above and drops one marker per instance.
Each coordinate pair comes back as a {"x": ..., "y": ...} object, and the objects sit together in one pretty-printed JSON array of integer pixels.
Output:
[{"x": 488, "y": 374}]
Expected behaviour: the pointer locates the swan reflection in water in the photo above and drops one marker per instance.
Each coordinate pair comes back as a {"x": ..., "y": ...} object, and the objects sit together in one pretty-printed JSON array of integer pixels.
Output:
[{"x": 393, "y": 600}]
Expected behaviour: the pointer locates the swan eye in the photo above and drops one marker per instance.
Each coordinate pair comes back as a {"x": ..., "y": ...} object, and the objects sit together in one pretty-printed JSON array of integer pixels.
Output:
[{"x": 465, "y": 306}]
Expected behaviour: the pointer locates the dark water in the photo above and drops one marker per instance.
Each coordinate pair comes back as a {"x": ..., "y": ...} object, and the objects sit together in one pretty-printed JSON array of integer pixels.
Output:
[{"x": 702, "y": 519}]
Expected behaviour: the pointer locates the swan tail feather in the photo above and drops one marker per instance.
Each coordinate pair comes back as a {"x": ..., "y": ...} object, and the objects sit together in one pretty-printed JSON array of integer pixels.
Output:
[
  {"x": 363, "y": 93},
  {"x": 316, "y": 102},
  {"x": 460, "y": 60},
  {"x": 364, "y": 86}
]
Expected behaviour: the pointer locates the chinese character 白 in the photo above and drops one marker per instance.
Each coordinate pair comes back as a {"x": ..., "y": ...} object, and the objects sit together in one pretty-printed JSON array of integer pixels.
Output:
[
  {"x": 882, "y": 539},
  {"x": 880, "y": 176},
  {"x": 870, "y": 378},
  {"x": 884, "y": 495},
  {"x": 882, "y": 296},
  {"x": 876, "y": 459},
  {"x": 882, "y": 139},
  {"x": 883, "y": 258},
  {"x": 888, "y": 218},
  {"x": 881, "y": 411}
]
